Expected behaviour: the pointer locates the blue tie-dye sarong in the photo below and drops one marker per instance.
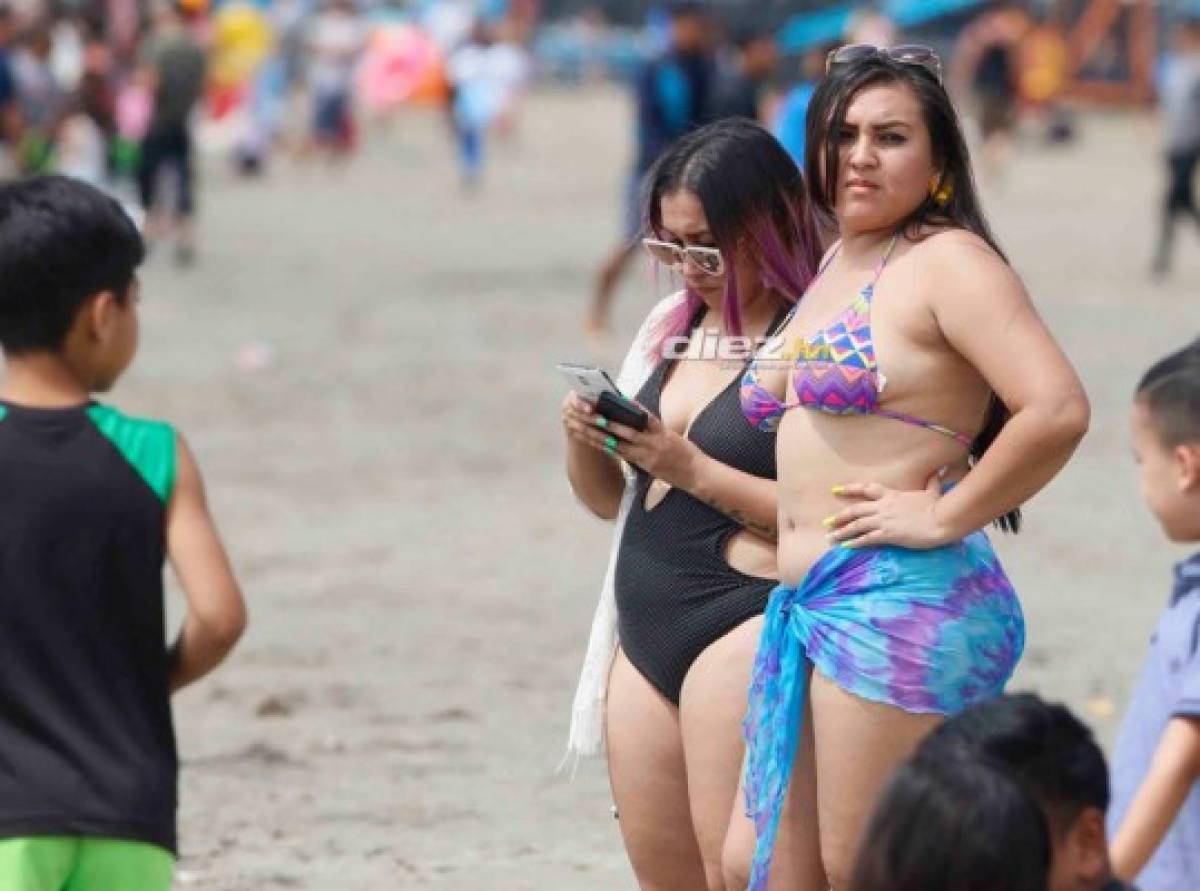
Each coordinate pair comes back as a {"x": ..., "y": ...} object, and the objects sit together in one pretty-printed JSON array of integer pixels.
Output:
[{"x": 927, "y": 631}]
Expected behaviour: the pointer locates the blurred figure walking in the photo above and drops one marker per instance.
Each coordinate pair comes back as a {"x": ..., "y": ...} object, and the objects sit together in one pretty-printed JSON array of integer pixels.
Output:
[
  {"x": 791, "y": 116},
  {"x": 336, "y": 44},
  {"x": 1180, "y": 95},
  {"x": 738, "y": 92},
  {"x": 173, "y": 67},
  {"x": 986, "y": 68},
  {"x": 487, "y": 75},
  {"x": 41, "y": 98},
  {"x": 10, "y": 109},
  {"x": 673, "y": 96}
]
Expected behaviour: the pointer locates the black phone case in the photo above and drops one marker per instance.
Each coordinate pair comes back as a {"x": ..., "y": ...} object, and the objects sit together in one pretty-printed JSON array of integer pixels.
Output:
[{"x": 619, "y": 409}]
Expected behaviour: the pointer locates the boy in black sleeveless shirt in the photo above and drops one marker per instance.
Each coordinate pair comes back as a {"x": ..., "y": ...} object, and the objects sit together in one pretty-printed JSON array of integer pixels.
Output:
[{"x": 92, "y": 503}]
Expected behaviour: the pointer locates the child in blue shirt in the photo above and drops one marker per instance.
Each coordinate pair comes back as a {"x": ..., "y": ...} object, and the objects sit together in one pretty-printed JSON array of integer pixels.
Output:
[{"x": 1154, "y": 822}]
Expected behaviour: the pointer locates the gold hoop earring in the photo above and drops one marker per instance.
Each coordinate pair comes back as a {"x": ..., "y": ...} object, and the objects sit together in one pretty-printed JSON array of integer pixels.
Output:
[{"x": 941, "y": 189}]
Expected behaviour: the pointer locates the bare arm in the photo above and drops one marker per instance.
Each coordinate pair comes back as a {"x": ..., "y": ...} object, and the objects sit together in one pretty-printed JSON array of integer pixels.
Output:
[
  {"x": 982, "y": 310},
  {"x": 216, "y": 613},
  {"x": 595, "y": 475},
  {"x": 985, "y": 314},
  {"x": 1173, "y": 771},
  {"x": 749, "y": 500}
]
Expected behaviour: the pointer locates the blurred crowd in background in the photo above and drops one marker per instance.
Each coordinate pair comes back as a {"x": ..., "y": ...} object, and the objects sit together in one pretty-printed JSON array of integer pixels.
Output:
[{"x": 118, "y": 92}]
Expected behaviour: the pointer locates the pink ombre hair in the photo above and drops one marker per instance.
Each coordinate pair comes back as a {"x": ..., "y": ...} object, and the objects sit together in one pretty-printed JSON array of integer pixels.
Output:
[{"x": 754, "y": 199}]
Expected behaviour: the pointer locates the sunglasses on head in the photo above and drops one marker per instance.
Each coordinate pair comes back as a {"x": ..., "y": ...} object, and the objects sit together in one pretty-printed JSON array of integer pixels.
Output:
[
  {"x": 908, "y": 54},
  {"x": 708, "y": 260}
]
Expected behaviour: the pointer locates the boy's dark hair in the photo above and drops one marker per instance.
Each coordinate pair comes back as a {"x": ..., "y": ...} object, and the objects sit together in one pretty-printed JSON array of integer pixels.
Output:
[
  {"x": 61, "y": 242},
  {"x": 959, "y": 824},
  {"x": 1170, "y": 390},
  {"x": 1050, "y": 751}
]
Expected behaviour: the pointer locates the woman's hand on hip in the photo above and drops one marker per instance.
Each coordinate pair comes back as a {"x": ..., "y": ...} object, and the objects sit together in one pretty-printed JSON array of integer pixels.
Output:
[{"x": 878, "y": 515}]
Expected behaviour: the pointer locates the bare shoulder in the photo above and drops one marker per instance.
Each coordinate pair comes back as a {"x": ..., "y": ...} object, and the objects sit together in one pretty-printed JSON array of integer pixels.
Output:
[
  {"x": 952, "y": 246},
  {"x": 954, "y": 261},
  {"x": 188, "y": 484}
]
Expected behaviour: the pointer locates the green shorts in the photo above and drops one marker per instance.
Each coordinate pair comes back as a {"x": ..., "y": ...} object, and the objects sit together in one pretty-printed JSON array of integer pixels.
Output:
[{"x": 73, "y": 863}]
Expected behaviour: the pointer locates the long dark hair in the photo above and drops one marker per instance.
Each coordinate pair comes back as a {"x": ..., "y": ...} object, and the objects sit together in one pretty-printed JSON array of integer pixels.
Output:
[
  {"x": 754, "y": 199},
  {"x": 960, "y": 824},
  {"x": 827, "y": 115}
]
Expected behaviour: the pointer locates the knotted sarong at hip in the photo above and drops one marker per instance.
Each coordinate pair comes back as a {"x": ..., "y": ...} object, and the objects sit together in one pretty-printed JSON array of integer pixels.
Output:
[{"x": 925, "y": 630}]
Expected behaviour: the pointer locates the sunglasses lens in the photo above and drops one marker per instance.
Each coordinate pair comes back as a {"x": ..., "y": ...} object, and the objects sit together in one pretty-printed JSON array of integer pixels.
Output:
[
  {"x": 912, "y": 53},
  {"x": 661, "y": 251},
  {"x": 707, "y": 261},
  {"x": 908, "y": 54},
  {"x": 915, "y": 54},
  {"x": 852, "y": 53}
]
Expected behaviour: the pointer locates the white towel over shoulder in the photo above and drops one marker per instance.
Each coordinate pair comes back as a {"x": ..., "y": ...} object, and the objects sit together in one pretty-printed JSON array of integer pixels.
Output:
[{"x": 587, "y": 714}]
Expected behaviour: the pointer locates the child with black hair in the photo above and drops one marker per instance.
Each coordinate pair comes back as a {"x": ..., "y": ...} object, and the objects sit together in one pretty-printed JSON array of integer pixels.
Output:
[
  {"x": 93, "y": 502},
  {"x": 1055, "y": 758},
  {"x": 960, "y": 824},
  {"x": 1155, "y": 819}
]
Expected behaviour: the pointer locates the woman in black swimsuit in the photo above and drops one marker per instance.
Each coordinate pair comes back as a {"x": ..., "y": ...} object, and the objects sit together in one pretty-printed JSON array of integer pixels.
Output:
[{"x": 725, "y": 207}]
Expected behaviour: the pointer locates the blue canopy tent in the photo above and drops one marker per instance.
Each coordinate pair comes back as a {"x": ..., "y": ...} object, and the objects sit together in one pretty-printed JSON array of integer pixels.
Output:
[{"x": 828, "y": 25}]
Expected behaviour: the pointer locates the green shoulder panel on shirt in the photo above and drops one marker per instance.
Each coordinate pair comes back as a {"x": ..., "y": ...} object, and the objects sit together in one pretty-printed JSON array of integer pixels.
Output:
[
  {"x": 148, "y": 445},
  {"x": 3, "y": 412}
]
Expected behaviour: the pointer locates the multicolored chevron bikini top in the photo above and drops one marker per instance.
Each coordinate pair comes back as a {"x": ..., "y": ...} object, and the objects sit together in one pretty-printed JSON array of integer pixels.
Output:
[{"x": 836, "y": 371}]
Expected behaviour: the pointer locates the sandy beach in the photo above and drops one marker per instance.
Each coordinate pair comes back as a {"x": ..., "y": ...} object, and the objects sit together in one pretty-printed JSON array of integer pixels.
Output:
[{"x": 363, "y": 361}]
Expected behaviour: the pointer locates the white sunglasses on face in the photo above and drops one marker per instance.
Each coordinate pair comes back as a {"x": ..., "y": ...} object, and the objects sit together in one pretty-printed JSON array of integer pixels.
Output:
[{"x": 708, "y": 260}]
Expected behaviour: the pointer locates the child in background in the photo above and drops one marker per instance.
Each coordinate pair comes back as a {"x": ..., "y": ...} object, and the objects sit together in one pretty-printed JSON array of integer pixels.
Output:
[
  {"x": 1154, "y": 821},
  {"x": 336, "y": 43}
]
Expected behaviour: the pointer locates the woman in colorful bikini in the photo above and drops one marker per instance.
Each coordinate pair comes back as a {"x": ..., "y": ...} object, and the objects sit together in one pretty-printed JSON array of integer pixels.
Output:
[
  {"x": 919, "y": 399},
  {"x": 694, "y": 558}
]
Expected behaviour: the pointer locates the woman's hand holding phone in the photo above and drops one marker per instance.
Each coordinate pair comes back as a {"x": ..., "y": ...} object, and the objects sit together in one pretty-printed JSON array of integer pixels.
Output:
[
  {"x": 596, "y": 477},
  {"x": 661, "y": 452}
]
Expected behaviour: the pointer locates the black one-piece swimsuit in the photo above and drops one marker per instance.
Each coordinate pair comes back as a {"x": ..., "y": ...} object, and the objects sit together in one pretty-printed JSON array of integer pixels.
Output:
[{"x": 675, "y": 591}]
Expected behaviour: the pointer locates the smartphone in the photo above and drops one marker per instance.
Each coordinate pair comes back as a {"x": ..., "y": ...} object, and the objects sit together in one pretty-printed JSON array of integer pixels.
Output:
[
  {"x": 594, "y": 385},
  {"x": 588, "y": 381},
  {"x": 617, "y": 408}
]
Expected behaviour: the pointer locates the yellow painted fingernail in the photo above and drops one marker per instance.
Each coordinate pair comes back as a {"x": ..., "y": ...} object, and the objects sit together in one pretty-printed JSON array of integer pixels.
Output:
[
  {"x": 838, "y": 490},
  {"x": 828, "y": 522}
]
